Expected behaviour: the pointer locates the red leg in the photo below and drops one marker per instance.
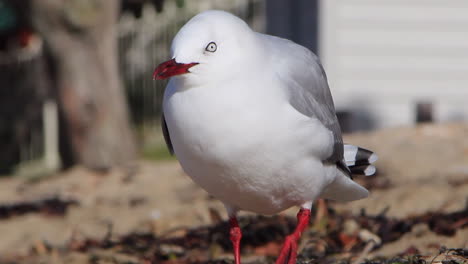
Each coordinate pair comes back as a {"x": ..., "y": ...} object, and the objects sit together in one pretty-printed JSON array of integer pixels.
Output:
[
  {"x": 235, "y": 235},
  {"x": 289, "y": 251}
]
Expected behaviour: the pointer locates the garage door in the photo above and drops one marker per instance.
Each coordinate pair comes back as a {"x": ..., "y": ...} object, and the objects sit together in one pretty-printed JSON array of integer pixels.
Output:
[{"x": 385, "y": 56}]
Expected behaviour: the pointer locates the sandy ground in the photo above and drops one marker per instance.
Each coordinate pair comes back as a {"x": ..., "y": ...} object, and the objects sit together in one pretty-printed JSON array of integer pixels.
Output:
[{"x": 420, "y": 169}]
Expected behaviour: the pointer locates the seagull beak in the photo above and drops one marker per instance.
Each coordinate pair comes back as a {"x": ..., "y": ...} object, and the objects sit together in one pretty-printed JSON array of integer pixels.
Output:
[{"x": 171, "y": 68}]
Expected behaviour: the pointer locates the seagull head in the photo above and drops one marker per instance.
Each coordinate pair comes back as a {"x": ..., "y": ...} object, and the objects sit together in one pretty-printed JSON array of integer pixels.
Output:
[{"x": 213, "y": 45}]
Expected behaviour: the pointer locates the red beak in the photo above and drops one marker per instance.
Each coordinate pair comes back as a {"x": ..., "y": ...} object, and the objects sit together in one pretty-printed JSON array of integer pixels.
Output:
[{"x": 171, "y": 68}]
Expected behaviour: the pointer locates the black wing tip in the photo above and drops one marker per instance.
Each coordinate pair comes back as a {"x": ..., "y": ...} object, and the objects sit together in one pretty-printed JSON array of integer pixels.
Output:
[{"x": 167, "y": 136}]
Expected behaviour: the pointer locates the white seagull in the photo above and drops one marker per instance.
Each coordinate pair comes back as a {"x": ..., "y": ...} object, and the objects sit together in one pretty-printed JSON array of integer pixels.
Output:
[{"x": 251, "y": 120}]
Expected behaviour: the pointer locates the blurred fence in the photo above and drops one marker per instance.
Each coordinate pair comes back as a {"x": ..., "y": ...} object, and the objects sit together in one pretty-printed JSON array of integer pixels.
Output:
[{"x": 145, "y": 42}]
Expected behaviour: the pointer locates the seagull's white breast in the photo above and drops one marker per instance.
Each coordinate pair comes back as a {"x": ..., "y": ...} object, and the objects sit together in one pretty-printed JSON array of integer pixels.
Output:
[{"x": 247, "y": 146}]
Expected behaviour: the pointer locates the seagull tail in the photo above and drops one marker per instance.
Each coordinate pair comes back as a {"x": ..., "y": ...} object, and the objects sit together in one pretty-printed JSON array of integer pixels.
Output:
[
  {"x": 343, "y": 189},
  {"x": 359, "y": 160}
]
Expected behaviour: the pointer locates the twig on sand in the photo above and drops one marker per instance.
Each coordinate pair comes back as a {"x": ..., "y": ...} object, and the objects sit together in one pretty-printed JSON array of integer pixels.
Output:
[
  {"x": 372, "y": 241},
  {"x": 441, "y": 250},
  {"x": 369, "y": 246}
]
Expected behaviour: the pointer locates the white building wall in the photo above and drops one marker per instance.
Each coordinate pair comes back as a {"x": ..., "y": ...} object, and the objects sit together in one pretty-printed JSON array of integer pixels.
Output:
[{"x": 383, "y": 56}]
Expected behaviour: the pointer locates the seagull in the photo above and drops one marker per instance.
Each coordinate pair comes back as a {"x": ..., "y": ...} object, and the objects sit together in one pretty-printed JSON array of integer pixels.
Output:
[{"x": 251, "y": 120}]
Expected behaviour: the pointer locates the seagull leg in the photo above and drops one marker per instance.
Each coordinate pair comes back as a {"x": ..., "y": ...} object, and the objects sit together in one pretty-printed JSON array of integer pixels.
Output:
[
  {"x": 288, "y": 253},
  {"x": 235, "y": 233},
  {"x": 235, "y": 236}
]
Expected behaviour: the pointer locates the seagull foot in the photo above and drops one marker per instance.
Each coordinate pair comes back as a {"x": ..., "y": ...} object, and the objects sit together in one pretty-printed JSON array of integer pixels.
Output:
[{"x": 288, "y": 253}]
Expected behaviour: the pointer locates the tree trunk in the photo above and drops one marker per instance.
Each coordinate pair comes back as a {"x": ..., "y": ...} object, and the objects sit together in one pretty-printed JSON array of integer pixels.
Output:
[{"x": 81, "y": 38}]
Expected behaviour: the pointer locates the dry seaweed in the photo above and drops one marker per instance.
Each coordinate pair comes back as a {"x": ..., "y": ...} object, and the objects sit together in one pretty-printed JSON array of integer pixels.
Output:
[
  {"x": 329, "y": 240},
  {"x": 53, "y": 206}
]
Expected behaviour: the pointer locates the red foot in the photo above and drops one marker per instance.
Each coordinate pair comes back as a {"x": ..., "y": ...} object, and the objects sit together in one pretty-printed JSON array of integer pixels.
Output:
[
  {"x": 235, "y": 235},
  {"x": 289, "y": 251}
]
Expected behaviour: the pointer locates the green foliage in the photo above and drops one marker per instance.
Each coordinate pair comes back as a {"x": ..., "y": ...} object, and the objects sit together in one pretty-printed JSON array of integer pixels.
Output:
[
  {"x": 157, "y": 152},
  {"x": 180, "y": 3}
]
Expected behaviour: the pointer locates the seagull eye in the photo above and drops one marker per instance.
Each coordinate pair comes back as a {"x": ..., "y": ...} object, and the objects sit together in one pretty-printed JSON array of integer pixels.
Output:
[{"x": 211, "y": 47}]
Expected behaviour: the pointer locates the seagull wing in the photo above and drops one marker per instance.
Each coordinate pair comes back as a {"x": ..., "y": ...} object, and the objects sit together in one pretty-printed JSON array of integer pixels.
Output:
[{"x": 307, "y": 85}]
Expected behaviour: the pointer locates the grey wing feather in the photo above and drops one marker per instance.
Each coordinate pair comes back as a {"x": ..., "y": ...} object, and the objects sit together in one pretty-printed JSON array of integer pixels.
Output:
[
  {"x": 308, "y": 89},
  {"x": 316, "y": 100},
  {"x": 166, "y": 135}
]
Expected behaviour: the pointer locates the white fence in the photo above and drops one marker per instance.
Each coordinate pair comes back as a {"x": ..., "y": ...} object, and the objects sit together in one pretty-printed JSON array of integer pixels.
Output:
[{"x": 145, "y": 42}]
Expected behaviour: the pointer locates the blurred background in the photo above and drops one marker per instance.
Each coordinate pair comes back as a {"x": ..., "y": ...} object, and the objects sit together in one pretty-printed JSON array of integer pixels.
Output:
[
  {"x": 77, "y": 101},
  {"x": 63, "y": 65}
]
